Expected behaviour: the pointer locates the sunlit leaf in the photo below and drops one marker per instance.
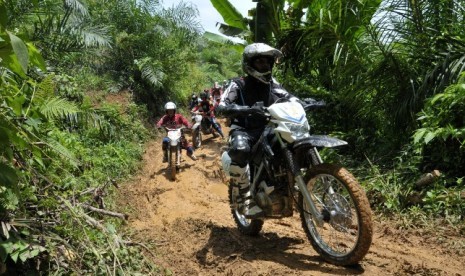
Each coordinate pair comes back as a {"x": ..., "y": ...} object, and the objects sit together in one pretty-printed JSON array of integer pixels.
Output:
[
  {"x": 230, "y": 14},
  {"x": 20, "y": 50}
]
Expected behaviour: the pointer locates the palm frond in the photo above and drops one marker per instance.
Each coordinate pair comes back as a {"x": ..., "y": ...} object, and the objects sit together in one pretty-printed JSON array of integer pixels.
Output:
[
  {"x": 95, "y": 36},
  {"x": 77, "y": 7},
  {"x": 152, "y": 71},
  {"x": 183, "y": 20}
]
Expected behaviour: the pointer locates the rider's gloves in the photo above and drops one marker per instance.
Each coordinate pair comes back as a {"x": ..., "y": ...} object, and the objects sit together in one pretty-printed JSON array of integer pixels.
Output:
[{"x": 256, "y": 110}]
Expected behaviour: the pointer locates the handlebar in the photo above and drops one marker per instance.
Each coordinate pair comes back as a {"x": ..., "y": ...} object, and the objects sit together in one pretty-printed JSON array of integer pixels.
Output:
[
  {"x": 312, "y": 104},
  {"x": 176, "y": 128},
  {"x": 260, "y": 110}
]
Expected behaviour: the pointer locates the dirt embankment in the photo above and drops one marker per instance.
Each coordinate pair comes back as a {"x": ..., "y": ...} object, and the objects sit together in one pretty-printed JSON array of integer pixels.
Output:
[{"x": 188, "y": 226}]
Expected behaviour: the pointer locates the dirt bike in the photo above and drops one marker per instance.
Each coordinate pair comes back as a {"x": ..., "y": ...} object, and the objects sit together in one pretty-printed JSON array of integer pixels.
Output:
[
  {"x": 173, "y": 151},
  {"x": 202, "y": 126},
  {"x": 287, "y": 172}
]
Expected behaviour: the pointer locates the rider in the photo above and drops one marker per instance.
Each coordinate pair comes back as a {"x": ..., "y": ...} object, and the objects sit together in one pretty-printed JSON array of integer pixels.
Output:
[
  {"x": 194, "y": 101},
  {"x": 216, "y": 91},
  {"x": 172, "y": 119},
  {"x": 206, "y": 106},
  {"x": 236, "y": 103}
]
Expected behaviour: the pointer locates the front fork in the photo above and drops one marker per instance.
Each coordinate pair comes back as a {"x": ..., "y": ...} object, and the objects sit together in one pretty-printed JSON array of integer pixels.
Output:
[
  {"x": 177, "y": 150},
  {"x": 299, "y": 179}
]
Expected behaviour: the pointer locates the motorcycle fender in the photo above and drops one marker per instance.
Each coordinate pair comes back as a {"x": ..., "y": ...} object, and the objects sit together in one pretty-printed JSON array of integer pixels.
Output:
[
  {"x": 226, "y": 162},
  {"x": 173, "y": 143},
  {"x": 196, "y": 126},
  {"x": 319, "y": 141}
]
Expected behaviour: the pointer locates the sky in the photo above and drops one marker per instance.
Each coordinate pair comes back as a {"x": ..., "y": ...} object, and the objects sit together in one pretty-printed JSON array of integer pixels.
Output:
[{"x": 208, "y": 14}]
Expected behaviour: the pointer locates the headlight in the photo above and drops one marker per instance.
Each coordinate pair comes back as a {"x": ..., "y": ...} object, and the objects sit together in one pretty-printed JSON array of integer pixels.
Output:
[{"x": 298, "y": 130}]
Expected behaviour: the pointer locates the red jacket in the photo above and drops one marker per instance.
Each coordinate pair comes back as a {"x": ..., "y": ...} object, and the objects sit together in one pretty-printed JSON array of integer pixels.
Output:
[
  {"x": 173, "y": 121},
  {"x": 205, "y": 106}
]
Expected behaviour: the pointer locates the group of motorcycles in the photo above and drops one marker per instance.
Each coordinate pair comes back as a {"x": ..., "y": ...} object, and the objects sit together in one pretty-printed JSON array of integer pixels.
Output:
[
  {"x": 288, "y": 175},
  {"x": 201, "y": 126}
]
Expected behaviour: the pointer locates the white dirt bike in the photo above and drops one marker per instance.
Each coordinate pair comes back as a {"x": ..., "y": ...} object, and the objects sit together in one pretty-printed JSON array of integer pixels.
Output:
[
  {"x": 173, "y": 150},
  {"x": 202, "y": 126},
  {"x": 287, "y": 173}
]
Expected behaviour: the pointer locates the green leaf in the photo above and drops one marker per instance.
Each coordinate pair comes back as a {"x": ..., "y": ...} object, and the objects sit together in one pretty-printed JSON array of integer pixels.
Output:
[
  {"x": 231, "y": 31},
  {"x": 30, "y": 252},
  {"x": 8, "y": 176},
  {"x": 55, "y": 108},
  {"x": 429, "y": 136},
  {"x": 4, "y": 137},
  {"x": 34, "y": 123},
  {"x": 16, "y": 103},
  {"x": 418, "y": 135},
  {"x": 5, "y": 249},
  {"x": 238, "y": 46},
  {"x": 8, "y": 57},
  {"x": 230, "y": 14},
  {"x": 20, "y": 50},
  {"x": 35, "y": 56},
  {"x": 10, "y": 199}
]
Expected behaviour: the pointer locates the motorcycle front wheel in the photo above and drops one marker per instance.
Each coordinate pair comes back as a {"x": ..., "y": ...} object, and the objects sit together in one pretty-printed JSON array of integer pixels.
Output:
[
  {"x": 345, "y": 235},
  {"x": 246, "y": 226},
  {"x": 197, "y": 138},
  {"x": 172, "y": 163}
]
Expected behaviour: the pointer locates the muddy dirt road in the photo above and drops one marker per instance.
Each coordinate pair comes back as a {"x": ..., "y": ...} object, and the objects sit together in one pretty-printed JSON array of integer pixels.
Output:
[{"x": 188, "y": 226}]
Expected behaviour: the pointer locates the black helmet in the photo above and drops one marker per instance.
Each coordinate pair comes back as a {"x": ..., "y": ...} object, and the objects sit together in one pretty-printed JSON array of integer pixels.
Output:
[
  {"x": 255, "y": 50},
  {"x": 194, "y": 96},
  {"x": 203, "y": 96}
]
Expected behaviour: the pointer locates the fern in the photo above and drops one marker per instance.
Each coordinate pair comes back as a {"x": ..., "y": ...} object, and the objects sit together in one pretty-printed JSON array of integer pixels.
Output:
[
  {"x": 58, "y": 108},
  {"x": 46, "y": 87},
  {"x": 63, "y": 151}
]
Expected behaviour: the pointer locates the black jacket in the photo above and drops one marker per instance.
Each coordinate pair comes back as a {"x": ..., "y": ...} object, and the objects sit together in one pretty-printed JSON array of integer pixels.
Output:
[{"x": 242, "y": 94}]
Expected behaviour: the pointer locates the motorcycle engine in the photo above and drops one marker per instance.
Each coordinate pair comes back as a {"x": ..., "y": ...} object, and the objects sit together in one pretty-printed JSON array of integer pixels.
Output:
[{"x": 272, "y": 202}]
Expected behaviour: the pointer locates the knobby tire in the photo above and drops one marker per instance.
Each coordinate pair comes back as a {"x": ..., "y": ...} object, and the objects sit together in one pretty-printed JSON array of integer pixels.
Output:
[{"x": 361, "y": 210}]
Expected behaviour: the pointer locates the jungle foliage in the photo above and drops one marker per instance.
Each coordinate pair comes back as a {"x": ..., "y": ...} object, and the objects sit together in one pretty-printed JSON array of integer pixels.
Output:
[
  {"x": 65, "y": 144},
  {"x": 391, "y": 72}
]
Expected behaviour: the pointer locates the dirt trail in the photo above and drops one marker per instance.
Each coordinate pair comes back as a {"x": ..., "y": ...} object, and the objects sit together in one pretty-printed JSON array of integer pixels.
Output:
[{"x": 189, "y": 228}]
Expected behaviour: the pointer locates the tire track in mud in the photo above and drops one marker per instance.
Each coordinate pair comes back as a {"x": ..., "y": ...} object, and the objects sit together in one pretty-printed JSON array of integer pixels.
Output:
[{"x": 188, "y": 226}]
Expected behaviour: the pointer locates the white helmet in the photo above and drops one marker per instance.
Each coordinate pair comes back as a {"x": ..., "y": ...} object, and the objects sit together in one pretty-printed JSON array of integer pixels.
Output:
[
  {"x": 170, "y": 105},
  {"x": 259, "y": 50}
]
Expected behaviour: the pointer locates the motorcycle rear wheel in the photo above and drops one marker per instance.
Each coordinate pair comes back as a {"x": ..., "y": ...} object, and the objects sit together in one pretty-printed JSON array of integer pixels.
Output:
[
  {"x": 347, "y": 231},
  {"x": 250, "y": 227}
]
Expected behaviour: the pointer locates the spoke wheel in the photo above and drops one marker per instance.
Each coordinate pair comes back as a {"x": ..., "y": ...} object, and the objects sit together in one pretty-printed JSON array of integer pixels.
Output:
[
  {"x": 345, "y": 235},
  {"x": 172, "y": 164}
]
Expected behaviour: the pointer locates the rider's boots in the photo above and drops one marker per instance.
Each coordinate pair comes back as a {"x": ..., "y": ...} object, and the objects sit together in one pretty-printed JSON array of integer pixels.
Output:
[
  {"x": 241, "y": 177},
  {"x": 165, "y": 156},
  {"x": 218, "y": 129},
  {"x": 164, "y": 148}
]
